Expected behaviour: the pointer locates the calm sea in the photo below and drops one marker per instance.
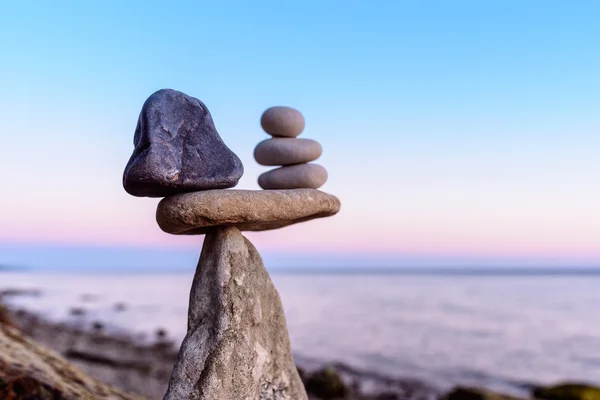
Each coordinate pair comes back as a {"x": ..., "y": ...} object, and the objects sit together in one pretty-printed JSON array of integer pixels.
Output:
[{"x": 497, "y": 330}]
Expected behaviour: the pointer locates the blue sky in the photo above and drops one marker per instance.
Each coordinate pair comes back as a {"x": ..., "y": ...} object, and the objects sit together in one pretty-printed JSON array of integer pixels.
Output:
[{"x": 453, "y": 132}]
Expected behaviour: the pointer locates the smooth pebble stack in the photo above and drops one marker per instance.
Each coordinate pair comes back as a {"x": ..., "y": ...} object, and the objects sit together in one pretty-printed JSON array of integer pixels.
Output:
[{"x": 294, "y": 155}]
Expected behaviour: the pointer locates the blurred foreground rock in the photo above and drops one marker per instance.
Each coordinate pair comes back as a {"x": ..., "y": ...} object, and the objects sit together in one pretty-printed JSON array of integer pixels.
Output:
[
  {"x": 327, "y": 384},
  {"x": 30, "y": 371},
  {"x": 568, "y": 391},
  {"x": 476, "y": 393}
]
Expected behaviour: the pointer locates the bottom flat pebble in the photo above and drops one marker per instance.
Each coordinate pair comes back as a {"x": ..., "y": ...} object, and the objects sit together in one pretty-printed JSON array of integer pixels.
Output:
[{"x": 310, "y": 176}]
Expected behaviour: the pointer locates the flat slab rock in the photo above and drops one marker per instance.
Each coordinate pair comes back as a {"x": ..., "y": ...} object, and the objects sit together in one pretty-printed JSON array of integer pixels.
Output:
[
  {"x": 237, "y": 344},
  {"x": 248, "y": 210}
]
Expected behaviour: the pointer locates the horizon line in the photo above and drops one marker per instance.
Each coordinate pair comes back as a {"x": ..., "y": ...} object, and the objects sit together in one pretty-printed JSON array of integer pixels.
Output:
[{"x": 400, "y": 270}]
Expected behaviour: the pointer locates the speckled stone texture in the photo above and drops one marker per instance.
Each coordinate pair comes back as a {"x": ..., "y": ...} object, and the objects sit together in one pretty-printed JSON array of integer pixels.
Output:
[
  {"x": 282, "y": 121},
  {"x": 178, "y": 149},
  {"x": 249, "y": 210},
  {"x": 237, "y": 344}
]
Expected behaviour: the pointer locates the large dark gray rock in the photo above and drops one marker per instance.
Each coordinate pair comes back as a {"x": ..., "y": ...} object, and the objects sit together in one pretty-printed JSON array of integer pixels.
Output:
[
  {"x": 178, "y": 149},
  {"x": 237, "y": 344}
]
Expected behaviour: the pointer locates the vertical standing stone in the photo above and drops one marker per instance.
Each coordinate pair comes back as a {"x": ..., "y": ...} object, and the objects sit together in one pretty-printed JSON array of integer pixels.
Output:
[{"x": 237, "y": 344}]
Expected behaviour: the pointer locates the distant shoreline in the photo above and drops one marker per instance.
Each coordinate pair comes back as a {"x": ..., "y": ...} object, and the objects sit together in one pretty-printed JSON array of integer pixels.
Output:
[
  {"x": 414, "y": 271},
  {"x": 449, "y": 271}
]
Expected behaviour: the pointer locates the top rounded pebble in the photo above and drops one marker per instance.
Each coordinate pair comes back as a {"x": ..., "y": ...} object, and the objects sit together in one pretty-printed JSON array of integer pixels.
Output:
[{"x": 282, "y": 121}]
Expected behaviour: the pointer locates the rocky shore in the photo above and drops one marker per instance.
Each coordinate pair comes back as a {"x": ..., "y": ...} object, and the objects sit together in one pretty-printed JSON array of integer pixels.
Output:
[{"x": 143, "y": 369}]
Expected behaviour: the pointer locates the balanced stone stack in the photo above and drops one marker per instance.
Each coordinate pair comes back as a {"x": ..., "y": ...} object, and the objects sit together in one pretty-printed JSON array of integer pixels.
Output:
[
  {"x": 285, "y": 124},
  {"x": 237, "y": 345}
]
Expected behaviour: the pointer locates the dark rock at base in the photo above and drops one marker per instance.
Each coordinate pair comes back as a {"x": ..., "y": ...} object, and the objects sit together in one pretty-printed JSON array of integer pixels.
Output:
[
  {"x": 388, "y": 396},
  {"x": 161, "y": 333},
  {"x": 77, "y": 311},
  {"x": 178, "y": 149},
  {"x": 472, "y": 393},
  {"x": 568, "y": 391},
  {"x": 326, "y": 384},
  {"x": 302, "y": 374},
  {"x": 25, "y": 387},
  {"x": 97, "y": 326}
]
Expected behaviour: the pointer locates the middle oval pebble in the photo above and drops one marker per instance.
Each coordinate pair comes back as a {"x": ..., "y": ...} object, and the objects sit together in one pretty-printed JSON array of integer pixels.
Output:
[{"x": 287, "y": 151}]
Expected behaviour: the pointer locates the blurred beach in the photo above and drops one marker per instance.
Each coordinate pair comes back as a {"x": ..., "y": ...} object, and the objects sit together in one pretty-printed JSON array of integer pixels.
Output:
[{"x": 501, "y": 331}]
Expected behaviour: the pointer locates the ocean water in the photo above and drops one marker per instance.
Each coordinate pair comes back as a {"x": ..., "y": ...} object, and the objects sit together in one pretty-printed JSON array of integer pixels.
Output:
[{"x": 495, "y": 330}]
